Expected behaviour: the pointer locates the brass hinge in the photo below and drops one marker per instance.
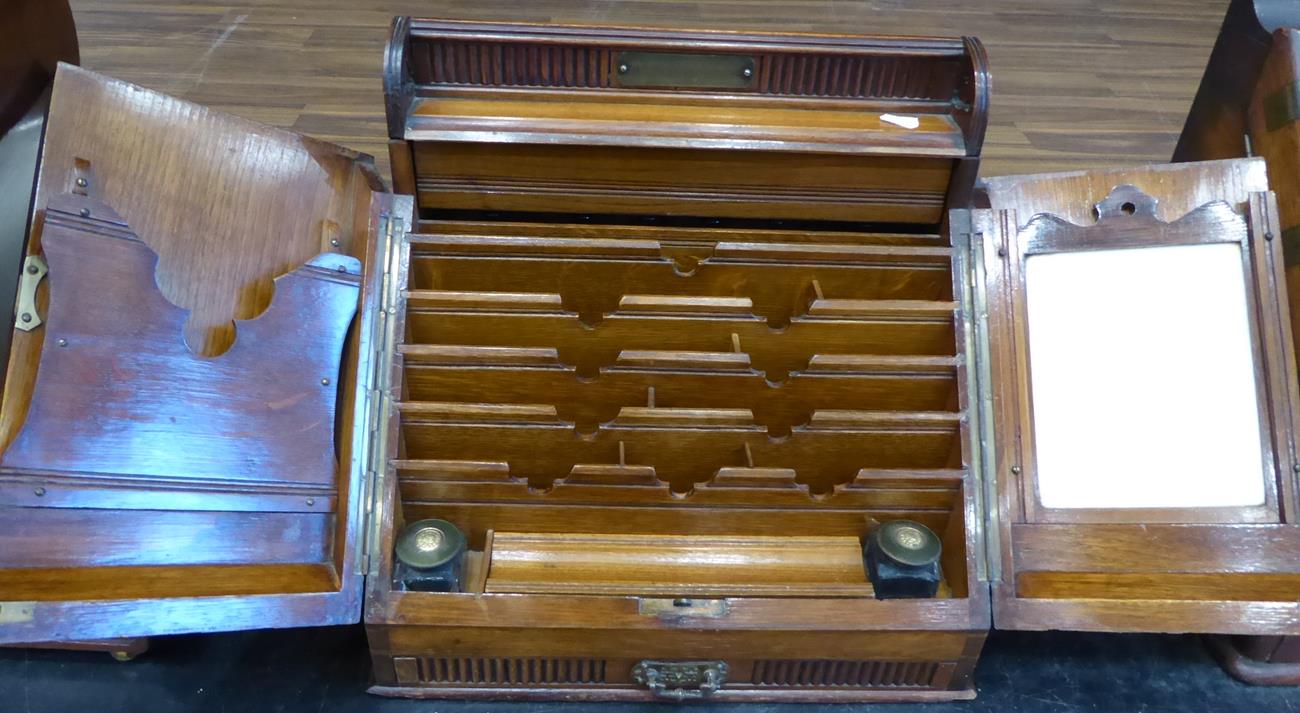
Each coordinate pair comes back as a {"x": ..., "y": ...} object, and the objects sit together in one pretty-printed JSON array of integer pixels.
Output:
[
  {"x": 26, "y": 317},
  {"x": 968, "y": 252},
  {"x": 379, "y": 405}
]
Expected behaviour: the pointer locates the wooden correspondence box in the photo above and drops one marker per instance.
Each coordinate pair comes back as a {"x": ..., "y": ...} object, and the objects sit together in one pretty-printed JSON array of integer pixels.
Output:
[{"x": 667, "y": 325}]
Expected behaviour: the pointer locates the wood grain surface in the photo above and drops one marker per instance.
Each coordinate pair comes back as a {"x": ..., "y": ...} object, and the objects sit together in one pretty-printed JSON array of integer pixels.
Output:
[{"x": 1076, "y": 83}]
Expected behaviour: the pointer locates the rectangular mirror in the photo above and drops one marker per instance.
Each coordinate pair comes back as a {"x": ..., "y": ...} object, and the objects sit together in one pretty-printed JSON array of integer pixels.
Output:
[{"x": 1143, "y": 383}]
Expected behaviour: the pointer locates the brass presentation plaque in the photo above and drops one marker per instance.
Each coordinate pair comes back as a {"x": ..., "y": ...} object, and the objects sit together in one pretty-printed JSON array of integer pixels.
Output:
[{"x": 683, "y": 70}]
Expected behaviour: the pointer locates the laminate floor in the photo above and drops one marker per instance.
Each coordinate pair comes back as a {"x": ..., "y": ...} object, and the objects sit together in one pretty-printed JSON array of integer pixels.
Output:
[{"x": 1076, "y": 83}]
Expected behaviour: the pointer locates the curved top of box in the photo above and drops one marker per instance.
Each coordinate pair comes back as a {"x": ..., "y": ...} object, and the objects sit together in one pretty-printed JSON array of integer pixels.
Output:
[{"x": 637, "y": 87}]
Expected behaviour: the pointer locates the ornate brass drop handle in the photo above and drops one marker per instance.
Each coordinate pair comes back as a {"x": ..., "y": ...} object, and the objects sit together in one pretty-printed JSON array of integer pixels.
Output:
[{"x": 681, "y": 680}]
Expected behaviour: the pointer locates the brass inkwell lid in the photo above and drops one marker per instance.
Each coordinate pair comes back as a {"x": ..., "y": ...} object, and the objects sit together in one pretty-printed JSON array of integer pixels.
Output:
[
  {"x": 426, "y": 544},
  {"x": 909, "y": 543}
]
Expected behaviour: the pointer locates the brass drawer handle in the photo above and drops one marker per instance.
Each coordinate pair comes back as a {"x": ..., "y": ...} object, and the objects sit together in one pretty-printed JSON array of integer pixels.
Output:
[{"x": 681, "y": 680}]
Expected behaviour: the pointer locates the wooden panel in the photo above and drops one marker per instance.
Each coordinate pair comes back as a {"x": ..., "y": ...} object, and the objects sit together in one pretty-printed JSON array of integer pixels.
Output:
[
  {"x": 777, "y": 353},
  {"x": 902, "y": 385},
  {"x": 227, "y": 207},
  {"x": 109, "y": 538},
  {"x": 1165, "y": 616},
  {"x": 708, "y": 643},
  {"x": 636, "y": 120},
  {"x": 868, "y": 616},
  {"x": 524, "y": 55},
  {"x": 104, "y": 583},
  {"x": 1181, "y": 586},
  {"x": 541, "y": 563},
  {"x": 870, "y": 490},
  {"x": 219, "y": 250},
  {"x": 779, "y": 281},
  {"x": 1156, "y": 548},
  {"x": 182, "y": 414},
  {"x": 678, "y": 182},
  {"x": 690, "y": 455},
  {"x": 1214, "y": 578},
  {"x": 1178, "y": 188}
]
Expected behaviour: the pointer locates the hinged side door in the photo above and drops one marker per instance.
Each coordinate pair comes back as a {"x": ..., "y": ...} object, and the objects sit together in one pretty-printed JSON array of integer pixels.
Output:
[
  {"x": 184, "y": 419},
  {"x": 1141, "y": 382}
]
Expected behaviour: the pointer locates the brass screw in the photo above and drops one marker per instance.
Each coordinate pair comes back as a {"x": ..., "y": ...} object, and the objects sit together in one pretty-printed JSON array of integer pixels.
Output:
[
  {"x": 40, "y": 492},
  {"x": 85, "y": 212},
  {"x": 26, "y": 317},
  {"x": 324, "y": 382},
  {"x": 747, "y": 73},
  {"x": 81, "y": 183},
  {"x": 622, "y": 69},
  {"x": 334, "y": 242},
  {"x": 63, "y": 342},
  {"x": 1015, "y": 470},
  {"x": 311, "y": 501},
  {"x": 32, "y": 269},
  {"x": 1268, "y": 235},
  {"x": 1296, "y": 467}
]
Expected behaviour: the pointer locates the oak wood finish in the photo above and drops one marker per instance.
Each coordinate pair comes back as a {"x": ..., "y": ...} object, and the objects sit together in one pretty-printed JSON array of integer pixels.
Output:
[
  {"x": 640, "y": 385},
  {"x": 1123, "y": 570},
  {"x": 239, "y": 527},
  {"x": 676, "y": 565},
  {"x": 106, "y": 326},
  {"x": 543, "y": 119},
  {"x": 61, "y": 536}
]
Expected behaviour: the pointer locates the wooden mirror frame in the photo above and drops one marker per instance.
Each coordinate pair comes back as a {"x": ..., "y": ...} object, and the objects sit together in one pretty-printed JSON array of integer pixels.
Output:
[
  {"x": 1233, "y": 576},
  {"x": 1138, "y": 226}
]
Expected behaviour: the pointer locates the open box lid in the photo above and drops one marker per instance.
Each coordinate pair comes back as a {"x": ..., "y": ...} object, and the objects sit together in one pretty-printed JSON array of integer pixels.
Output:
[
  {"x": 519, "y": 117},
  {"x": 184, "y": 422},
  {"x": 1137, "y": 394}
]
